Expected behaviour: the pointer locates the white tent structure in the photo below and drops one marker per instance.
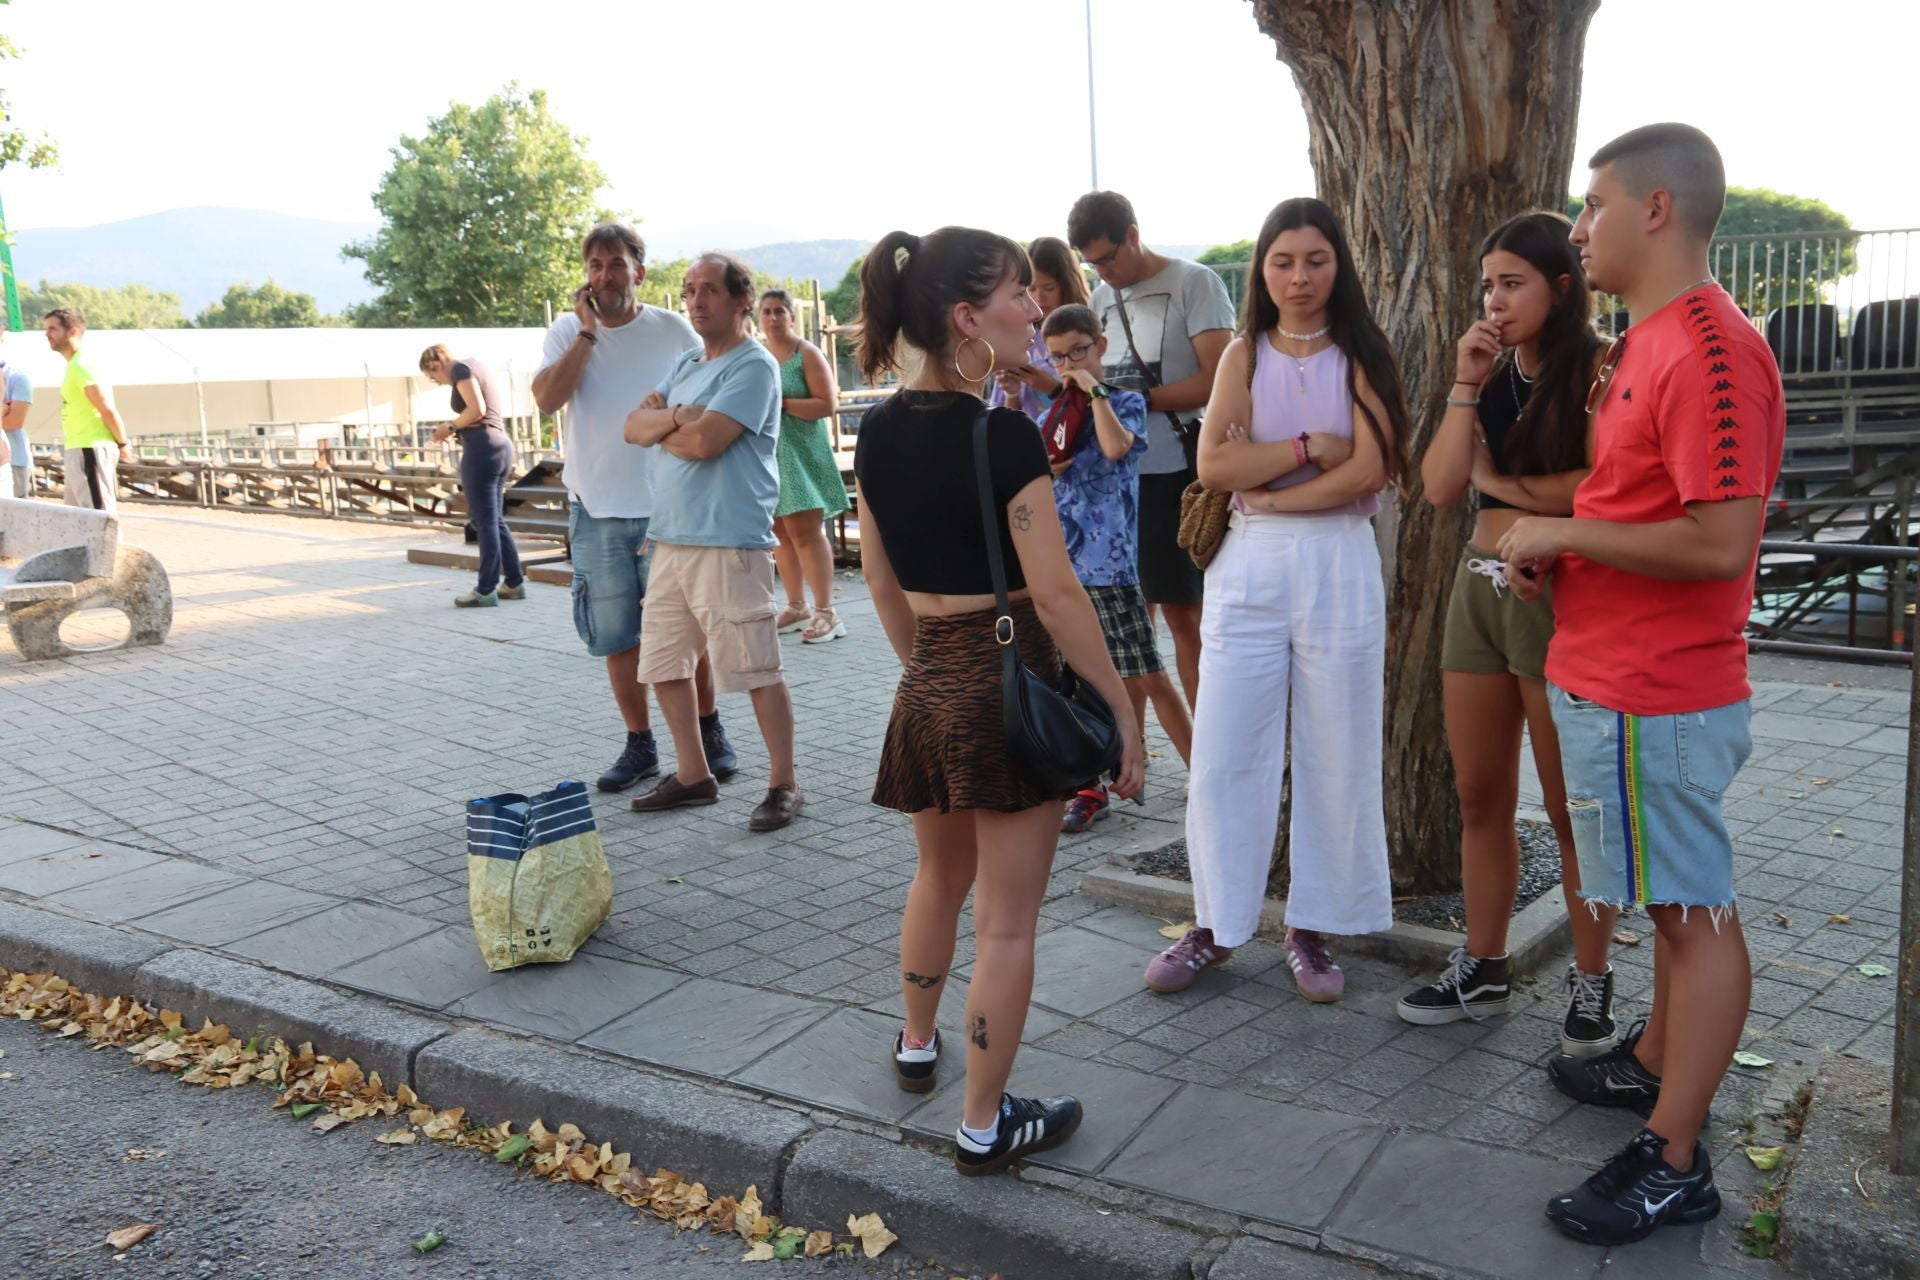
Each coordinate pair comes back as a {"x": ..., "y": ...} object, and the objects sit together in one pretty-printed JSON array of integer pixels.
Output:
[{"x": 289, "y": 386}]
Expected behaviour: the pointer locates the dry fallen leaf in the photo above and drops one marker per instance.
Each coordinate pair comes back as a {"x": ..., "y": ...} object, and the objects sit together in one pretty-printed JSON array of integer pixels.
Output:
[
  {"x": 871, "y": 1232},
  {"x": 142, "y": 1153},
  {"x": 1766, "y": 1159},
  {"x": 1176, "y": 931},
  {"x": 329, "y": 1122},
  {"x": 1627, "y": 938},
  {"x": 127, "y": 1237},
  {"x": 1821, "y": 782},
  {"x": 399, "y": 1138},
  {"x": 1780, "y": 918},
  {"x": 1839, "y": 919},
  {"x": 819, "y": 1244},
  {"x": 1746, "y": 1059},
  {"x": 762, "y": 1251}
]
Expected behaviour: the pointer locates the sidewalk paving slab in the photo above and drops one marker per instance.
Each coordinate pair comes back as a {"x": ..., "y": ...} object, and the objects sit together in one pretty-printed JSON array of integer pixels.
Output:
[
  {"x": 1269, "y": 1160},
  {"x": 708, "y": 1027},
  {"x": 20, "y": 840},
  {"x": 565, "y": 1001},
  {"x": 157, "y": 886},
  {"x": 331, "y": 939},
  {"x": 228, "y": 915},
  {"x": 1250, "y": 1258},
  {"x": 433, "y": 970},
  {"x": 249, "y": 999},
  {"x": 49, "y": 873}
]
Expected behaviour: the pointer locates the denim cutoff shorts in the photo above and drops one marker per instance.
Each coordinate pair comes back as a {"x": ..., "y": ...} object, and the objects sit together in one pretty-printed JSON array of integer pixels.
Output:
[
  {"x": 1644, "y": 798},
  {"x": 609, "y": 578}
]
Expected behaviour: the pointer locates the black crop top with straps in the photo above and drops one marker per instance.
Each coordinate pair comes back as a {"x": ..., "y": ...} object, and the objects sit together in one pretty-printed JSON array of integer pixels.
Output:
[
  {"x": 913, "y": 458},
  {"x": 1501, "y": 400}
]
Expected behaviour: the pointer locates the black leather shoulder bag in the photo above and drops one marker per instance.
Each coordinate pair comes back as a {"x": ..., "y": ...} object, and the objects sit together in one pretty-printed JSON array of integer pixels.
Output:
[{"x": 1060, "y": 735}]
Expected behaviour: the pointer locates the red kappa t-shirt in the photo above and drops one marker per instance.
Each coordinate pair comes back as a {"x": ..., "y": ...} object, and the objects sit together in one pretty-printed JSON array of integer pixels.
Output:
[{"x": 1694, "y": 413}]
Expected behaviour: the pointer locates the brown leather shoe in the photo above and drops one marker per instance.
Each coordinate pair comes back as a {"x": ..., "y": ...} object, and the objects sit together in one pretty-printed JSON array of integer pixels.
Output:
[
  {"x": 675, "y": 794},
  {"x": 782, "y": 805}
]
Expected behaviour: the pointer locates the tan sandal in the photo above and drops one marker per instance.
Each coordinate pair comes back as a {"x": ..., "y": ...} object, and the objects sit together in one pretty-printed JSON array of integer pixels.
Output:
[
  {"x": 792, "y": 618},
  {"x": 826, "y": 625}
]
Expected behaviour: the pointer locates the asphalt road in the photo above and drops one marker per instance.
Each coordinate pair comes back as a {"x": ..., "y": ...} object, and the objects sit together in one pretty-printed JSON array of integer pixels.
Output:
[{"x": 247, "y": 1191}]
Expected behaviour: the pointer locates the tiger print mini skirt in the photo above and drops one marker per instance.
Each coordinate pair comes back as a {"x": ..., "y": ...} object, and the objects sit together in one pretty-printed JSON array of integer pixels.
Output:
[{"x": 946, "y": 748}]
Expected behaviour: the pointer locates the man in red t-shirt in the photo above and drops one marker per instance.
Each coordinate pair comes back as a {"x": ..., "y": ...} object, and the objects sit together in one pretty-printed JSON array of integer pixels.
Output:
[{"x": 1652, "y": 585}]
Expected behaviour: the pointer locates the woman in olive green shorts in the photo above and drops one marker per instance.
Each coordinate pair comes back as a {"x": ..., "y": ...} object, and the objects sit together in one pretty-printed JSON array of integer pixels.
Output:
[{"x": 1516, "y": 430}]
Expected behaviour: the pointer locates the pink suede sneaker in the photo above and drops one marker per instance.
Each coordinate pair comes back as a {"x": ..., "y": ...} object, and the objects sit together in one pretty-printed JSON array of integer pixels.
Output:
[
  {"x": 1314, "y": 971},
  {"x": 1175, "y": 968}
]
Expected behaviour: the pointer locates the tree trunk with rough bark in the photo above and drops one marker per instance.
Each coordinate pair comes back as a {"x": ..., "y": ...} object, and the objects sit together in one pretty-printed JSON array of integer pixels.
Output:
[{"x": 1431, "y": 121}]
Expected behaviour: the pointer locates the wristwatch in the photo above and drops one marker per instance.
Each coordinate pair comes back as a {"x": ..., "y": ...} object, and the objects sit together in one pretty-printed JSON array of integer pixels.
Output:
[{"x": 1099, "y": 391}]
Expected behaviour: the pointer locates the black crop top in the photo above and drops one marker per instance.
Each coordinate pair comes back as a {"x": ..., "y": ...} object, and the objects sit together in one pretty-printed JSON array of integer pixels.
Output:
[
  {"x": 914, "y": 460},
  {"x": 1501, "y": 400}
]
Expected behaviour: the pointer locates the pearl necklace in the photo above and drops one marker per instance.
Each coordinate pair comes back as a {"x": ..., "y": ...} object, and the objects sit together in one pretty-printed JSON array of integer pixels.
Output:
[{"x": 1321, "y": 332}]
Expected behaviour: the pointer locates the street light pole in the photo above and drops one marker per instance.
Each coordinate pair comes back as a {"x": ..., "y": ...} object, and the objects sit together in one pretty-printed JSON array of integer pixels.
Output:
[{"x": 1093, "y": 145}]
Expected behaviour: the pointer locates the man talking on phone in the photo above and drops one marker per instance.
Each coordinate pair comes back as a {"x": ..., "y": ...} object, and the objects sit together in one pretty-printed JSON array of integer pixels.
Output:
[{"x": 601, "y": 360}]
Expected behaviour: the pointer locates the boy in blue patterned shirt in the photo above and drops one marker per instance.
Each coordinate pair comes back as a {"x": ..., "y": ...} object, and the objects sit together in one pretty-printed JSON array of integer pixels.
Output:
[{"x": 1097, "y": 492}]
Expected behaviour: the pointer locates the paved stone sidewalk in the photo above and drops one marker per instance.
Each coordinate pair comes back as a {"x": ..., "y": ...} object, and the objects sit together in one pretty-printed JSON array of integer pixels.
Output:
[{"x": 284, "y": 782}]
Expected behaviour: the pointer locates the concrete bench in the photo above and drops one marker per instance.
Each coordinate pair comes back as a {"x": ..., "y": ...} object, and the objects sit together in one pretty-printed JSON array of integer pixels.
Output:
[{"x": 56, "y": 561}]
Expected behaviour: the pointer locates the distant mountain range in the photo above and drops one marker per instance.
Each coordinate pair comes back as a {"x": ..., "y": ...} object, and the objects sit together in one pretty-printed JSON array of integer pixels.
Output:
[{"x": 198, "y": 252}]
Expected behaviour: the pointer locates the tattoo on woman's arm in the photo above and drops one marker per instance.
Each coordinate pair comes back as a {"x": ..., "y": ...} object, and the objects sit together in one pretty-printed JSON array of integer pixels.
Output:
[
  {"x": 979, "y": 1036},
  {"x": 1022, "y": 518},
  {"x": 924, "y": 981}
]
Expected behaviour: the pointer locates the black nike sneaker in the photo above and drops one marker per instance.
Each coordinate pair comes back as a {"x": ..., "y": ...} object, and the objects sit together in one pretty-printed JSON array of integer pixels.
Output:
[
  {"x": 1611, "y": 1079},
  {"x": 916, "y": 1069},
  {"x": 1472, "y": 987},
  {"x": 1636, "y": 1192},
  {"x": 1027, "y": 1125}
]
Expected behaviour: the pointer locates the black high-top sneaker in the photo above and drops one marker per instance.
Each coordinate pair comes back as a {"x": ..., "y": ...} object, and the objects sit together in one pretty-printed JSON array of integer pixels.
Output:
[
  {"x": 1589, "y": 1027},
  {"x": 1472, "y": 987},
  {"x": 1635, "y": 1192},
  {"x": 1027, "y": 1125}
]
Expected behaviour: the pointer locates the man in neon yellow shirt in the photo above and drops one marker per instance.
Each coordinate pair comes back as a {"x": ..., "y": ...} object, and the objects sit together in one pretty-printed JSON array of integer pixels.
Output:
[{"x": 95, "y": 439}]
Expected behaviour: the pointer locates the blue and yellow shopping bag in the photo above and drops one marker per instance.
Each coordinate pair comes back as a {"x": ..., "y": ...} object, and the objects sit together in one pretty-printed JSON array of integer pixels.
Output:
[{"x": 537, "y": 879}]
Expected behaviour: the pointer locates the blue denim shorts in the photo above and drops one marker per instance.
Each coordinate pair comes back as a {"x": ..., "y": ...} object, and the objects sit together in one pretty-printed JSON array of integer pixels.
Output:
[
  {"x": 1644, "y": 798},
  {"x": 609, "y": 579}
]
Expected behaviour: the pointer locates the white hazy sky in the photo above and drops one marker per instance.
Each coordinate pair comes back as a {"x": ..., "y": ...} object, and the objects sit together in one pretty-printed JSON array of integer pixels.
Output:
[{"x": 743, "y": 121}]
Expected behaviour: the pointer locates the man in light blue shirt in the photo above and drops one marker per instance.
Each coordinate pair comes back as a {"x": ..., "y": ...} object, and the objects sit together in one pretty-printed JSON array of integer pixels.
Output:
[{"x": 716, "y": 418}]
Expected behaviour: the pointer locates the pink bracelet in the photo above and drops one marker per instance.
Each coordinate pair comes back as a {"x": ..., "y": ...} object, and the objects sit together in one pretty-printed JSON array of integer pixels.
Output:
[{"x": 1300, "y": 458}]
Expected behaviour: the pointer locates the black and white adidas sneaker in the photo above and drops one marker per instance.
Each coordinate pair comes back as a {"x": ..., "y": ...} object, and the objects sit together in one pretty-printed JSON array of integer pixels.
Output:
[
  {"x": 1636, "y": 1192},
  {"x": 1027, "y": 1125},
  {"x": 1472, "y": 987},
  {"x": 1614, "y": 1078},
  {"x": 916, "y": 1070}
]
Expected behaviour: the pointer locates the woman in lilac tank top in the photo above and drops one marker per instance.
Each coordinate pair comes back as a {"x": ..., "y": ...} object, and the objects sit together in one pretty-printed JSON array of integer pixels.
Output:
[{"x": 1307, "y": 423}]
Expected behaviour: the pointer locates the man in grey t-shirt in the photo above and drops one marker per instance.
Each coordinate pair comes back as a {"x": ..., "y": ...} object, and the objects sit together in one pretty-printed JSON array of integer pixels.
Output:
[{"x": 1181, "y": 319}]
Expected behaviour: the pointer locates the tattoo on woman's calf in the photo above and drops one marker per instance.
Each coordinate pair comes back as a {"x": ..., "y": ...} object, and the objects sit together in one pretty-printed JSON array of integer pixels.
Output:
[
  {"x": 979, "y": 1035},
  {"x": 924, "y": 982}
]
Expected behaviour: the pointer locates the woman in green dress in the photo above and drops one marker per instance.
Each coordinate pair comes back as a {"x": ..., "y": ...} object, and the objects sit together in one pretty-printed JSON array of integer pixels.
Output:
[{"x": 811, "y": 490}]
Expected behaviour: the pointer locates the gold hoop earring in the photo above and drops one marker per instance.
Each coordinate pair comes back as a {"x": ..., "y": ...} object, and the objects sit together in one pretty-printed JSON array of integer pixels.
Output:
[{"x": 961, "y": 373}]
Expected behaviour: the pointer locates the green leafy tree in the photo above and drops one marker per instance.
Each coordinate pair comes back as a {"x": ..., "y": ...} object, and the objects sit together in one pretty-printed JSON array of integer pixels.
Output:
[
  {"x": 131, "y": 306},
  {"x": 843, "y": 300},
  {"x": 1807, "y": 248},
  {"x": 484, "y": 215},
  {"x": 267, "y": 307},
  {"x": 17, "y": 146},
  {"x": 1225, "y": 255}
]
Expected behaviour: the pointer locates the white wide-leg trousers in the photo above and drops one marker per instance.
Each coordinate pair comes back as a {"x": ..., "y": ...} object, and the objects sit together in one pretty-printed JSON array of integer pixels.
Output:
[{"x": 1294, "y": 605}]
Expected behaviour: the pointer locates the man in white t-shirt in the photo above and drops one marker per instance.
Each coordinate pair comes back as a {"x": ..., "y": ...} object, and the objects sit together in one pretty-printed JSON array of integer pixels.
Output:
[
  {"x": 1166, "y": 322},
  {"x": 16, "y": 396},
  {"x": 600, "y": 362}
]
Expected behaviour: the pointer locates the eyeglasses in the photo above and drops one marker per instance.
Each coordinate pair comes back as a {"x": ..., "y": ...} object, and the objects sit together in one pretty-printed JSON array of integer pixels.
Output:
[
  {"x": 1061, "y": 360},
  {"x": 1105, "y": 260},
  {"x": 1598, "y": 391}
]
